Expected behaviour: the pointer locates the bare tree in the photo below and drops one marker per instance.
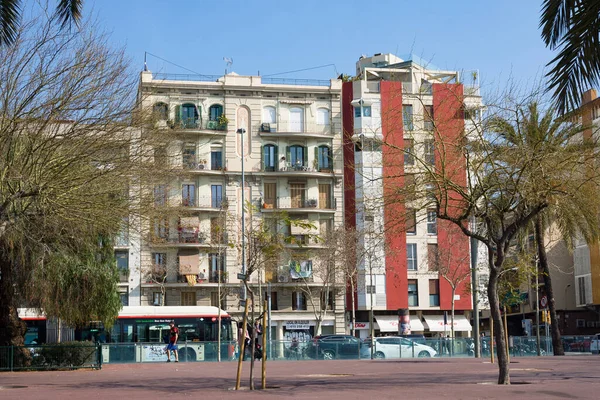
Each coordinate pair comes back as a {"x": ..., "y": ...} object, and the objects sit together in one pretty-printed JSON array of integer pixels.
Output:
[{"x": 70, "y": 149}]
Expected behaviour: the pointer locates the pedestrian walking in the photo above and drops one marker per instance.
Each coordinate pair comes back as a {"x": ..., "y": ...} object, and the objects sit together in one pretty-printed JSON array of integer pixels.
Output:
[{"x": 172, "y": 346}]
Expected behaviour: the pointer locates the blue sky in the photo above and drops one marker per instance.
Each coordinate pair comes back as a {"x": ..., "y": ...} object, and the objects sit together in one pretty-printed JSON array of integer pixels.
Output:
[{"x": 499, "y": 38}]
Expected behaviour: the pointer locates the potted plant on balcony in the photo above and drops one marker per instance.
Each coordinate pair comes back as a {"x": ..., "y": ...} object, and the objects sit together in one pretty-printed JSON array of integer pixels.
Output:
[{"x": 222, "y": 122}]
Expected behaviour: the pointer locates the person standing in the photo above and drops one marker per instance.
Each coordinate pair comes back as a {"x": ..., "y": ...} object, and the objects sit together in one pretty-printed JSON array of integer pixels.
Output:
[{"x": 172, "y": 346}]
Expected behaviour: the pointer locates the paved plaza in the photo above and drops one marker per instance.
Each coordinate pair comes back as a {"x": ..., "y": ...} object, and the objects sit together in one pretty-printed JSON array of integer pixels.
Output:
[{"x": 570, "y": 377}]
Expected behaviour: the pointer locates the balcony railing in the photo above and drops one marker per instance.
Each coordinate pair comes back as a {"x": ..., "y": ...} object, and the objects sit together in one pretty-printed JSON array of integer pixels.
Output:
[
  {"x": 182, "y": 236},
  {"x": 291, "y": 202},
  {"x": 294, "y": 128},
  {"x": 288, "y": 167},
  {"x": 196, "y": 124},
  {"x": 218, "y": 277},
  {"x": 204, "y": 202},
  {"x": 194, "y": 164}
]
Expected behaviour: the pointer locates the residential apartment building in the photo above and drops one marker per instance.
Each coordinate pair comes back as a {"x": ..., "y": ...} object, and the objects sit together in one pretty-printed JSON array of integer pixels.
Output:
[
  {"x": 288, "y": 133},
  {"x": 395, "y": 104}
]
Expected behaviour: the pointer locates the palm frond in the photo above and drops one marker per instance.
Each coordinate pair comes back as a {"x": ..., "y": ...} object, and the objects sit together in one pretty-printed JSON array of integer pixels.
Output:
[
  {"x": 10, "y": 14},
  {"x": 573, "y": 27},
  {"x": 68, "y": 12}
]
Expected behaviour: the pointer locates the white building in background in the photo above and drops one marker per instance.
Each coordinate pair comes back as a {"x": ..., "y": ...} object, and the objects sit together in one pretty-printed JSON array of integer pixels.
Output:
[{"x": 293, "y": 164}]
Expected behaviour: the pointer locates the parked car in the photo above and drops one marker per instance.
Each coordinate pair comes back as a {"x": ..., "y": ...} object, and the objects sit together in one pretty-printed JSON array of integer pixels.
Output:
[
  {"x": 400, "y": 347},
  {"x": 595, "y": 344},
  {"x": 329, "y": 347}
]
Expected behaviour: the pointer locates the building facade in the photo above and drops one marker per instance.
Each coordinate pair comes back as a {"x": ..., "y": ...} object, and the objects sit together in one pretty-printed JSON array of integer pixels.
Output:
[
  {"x": 288, "y": 134},
  {"x": 397, "y": 112}
]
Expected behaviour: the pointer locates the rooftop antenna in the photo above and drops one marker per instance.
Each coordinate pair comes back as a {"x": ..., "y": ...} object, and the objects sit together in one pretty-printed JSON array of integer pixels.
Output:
[{"x": 228, "y": 62}]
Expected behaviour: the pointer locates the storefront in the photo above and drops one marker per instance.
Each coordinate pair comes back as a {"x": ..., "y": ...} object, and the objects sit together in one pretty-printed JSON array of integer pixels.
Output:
[
  {"x": 435, "y": 325},
  {"x": 387, "y": 324}
]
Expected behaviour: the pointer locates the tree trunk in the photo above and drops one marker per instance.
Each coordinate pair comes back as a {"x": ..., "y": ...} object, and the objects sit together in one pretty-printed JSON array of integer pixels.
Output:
[
  {"x": 13, "y": 329},
  {"x": 252, "y": 341},
  {"x": 557, "y": 345},
  {"x": 503, "y": 370}
]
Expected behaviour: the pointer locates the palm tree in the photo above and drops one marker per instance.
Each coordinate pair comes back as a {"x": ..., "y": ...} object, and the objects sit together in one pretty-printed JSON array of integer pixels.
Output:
[
  {"x": 67, "y": 13},
  {"x": 573, "y": 215},
  {"x": 573, "y": 27}
]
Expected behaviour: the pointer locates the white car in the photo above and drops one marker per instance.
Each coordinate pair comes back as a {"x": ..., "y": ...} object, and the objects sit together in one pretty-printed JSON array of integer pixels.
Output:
[
  {"x": 399, "y": 347},
  {"x": 595, "y": 344}
]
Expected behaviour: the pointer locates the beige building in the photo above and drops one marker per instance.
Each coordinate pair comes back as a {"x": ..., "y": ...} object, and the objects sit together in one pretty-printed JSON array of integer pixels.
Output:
[{"x": 189, "y": 251}]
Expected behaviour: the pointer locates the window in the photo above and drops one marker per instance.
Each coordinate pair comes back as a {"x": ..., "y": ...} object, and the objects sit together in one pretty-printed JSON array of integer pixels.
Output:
[
  {"x": 298, "y": 301},
  {"x": 322, "y": 116},
  {"x": 122, "y": 257},
  {"x": 124, "y": 299},
  {"x": 581, "y": 286},
  {"x": 217, "y": 230},
  {"x": 413, "y": 293},
  {"x": 270, "y": 195},
  {"x": 161, "y": 228},
  {"x": 430, "y": 193},
  {"x": 327, "y": 300},
  {"x": 324, "y": 196},
  {"x": 409, "y": 157},
  {"x": 370, "y": 289},
  {"x": 270, "y": 157},
  {"x": 411, "y": 221},
  {"x": 433, "y": 257},
  {"x": 161, "y": 111},
  {"x": 188, "y": 195},
  {"x": 411, "y": 256},
  {"x": 434, "y": 293},
  {"x": 214, "y": 112},
  {"x": 157, "y": 299},
  {"x": 189, "y": 156},
  {"x": 297, "y": 156},
  {"x": 296, "y": 119},
  {"x": 366, "y": 111},
  {"x": 217, "y": 268},
  {"x": 269, "y": 115},
  {"x": 216, "y": 192},
  {"x": 472, "y": 114},
  {"x": 188, "y": 116},
  {"x": 428, "y": 118},
  {"x": 274, "y": 305},
  {"x": 188, "y": 298},
  {"x": 297, "y": 192},
  {"x": 216, "y": 159},
  {"x": 431, "y": 222},
  {"x": 407, "y": 117},
  {"x": 160, "y": 195},
  {"x": 429, "y": 152},
  {"x": 159, "y": 260},
  {"x": 324, "y": 159}
]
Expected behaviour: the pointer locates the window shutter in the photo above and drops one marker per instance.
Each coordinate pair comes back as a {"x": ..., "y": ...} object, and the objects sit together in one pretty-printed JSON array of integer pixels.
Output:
[
  {"x": 294, "y": 300},
  {"x": 276, "y": 162},
  {"x": 330, "y": 158},
  {"x": 305, "y": 156},
  {"x": 177, "y": 114},
  {"x": 288, "y": 156},
  {"x": 262, "y": 157},
  {"x": 316, "y": 162}
]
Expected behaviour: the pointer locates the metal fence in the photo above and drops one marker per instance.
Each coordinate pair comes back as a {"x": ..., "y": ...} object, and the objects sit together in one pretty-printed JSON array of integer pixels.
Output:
[
  {"x": 76, "y": 355},
  {"x": 71, "y": 355}
]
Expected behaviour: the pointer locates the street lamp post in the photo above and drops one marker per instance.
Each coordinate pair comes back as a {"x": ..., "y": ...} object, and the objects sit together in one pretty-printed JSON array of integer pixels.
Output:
[{"x": 241, "y": 131}]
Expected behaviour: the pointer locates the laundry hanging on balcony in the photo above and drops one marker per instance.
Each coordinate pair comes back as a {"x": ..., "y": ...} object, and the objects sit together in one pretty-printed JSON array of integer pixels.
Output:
[{"x": 300, "y": 269}]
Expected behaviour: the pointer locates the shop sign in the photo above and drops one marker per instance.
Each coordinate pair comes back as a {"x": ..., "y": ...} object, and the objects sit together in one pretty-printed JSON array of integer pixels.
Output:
[
  {"x": 298, "y": 324},
  {"x": 361, "y": 325}
]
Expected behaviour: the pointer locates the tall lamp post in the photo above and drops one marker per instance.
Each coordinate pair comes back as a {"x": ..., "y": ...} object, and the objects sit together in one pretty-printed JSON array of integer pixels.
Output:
[{"x": 241, "y": 131}]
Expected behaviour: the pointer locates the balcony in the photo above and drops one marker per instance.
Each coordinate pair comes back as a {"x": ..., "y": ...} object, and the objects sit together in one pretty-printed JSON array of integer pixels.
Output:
[
  {"x": 218, "y": 277},
  {"x": 299, "y": 204},
  {"x": 204, "y": 203},
  {"x": 284, "y": 128},
  {"x": 198, "y": 126},
  {"x": 299, "y": 169},
  {"x": 195, "y": 165},
  {"x": 182, "y": 237}
]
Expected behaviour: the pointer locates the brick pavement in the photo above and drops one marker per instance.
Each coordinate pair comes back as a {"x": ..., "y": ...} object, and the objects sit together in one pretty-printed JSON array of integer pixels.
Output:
[{"x": 533, "y": 378}]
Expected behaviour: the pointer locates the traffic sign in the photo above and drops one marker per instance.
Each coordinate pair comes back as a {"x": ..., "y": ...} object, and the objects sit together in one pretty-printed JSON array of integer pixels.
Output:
[
  {"x": 241, "y": 277},
  {"x": 543, "y": 301}
]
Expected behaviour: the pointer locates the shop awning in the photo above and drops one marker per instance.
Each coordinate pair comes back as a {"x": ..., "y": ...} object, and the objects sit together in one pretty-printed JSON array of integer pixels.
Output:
[
  {"x": 389, "y": 323},
  {"x": 189, "y": 262},
  {"x": 435, "y": 323}
]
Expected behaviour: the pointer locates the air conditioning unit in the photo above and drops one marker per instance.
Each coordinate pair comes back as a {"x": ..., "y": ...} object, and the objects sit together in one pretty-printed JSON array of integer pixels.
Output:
[
  {"x": 581, "y": 323},
  {"x": 265, "y": 127},
  {"x": 590, "y": 324},
  {"x": 282, "y": 278}
]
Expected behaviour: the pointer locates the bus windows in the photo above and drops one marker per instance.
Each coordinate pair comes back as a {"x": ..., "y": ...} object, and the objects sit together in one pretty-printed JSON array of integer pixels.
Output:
[
  {"x": 158, "y": 332},
  {"x": 189, "y": 332}
]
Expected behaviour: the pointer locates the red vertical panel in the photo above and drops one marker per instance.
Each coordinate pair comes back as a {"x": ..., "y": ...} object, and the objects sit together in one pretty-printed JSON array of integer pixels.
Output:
[
  {"x": 393, "y": 170},
  {"x": 349, "y": 183},
  {"x": 453, "y": 245}
]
